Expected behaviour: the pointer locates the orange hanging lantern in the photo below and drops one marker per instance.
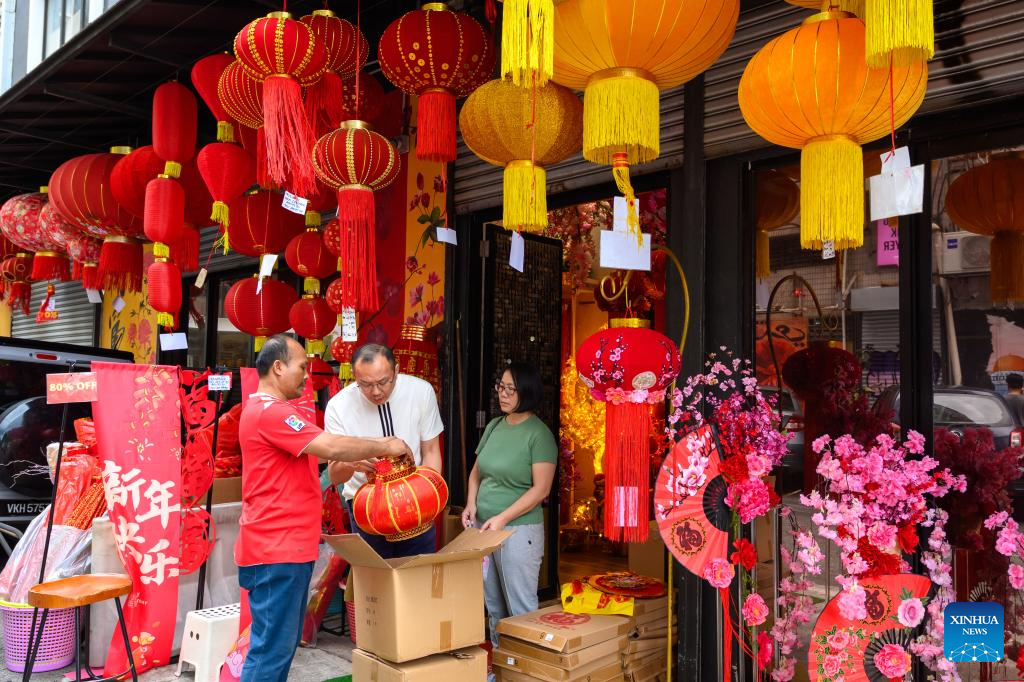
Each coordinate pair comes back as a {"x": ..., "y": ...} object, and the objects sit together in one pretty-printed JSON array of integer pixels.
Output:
[
  {"x": 621, "y": 53},
  {"x": 356, "y": 161},
  {"x": 206, "y": 75},
  {"x": 401, "y": 502},
  {"x": 778, "y": 202},
  {"x": 312, "y": 319},
  {"x": 20, "y": 223},
  {"x": 346, "y": 48},
  {"x": 285, "y": 56},
  {"x": 629, "y": 367},
  {"x": 260, "y": 314},
  {"x": 418, "y": 357},
  {"x": 810, "y": 89},
  {"x": 439, "y": 56},
  {"x": 988, "y": 200}
]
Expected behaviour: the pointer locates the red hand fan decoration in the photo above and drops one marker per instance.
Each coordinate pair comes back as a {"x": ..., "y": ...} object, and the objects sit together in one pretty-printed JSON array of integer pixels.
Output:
[
  {"x": 346, "y": 53},
  {"x": 197, "y": 464},
  {"x": 260, "y": 225},
  {"x": 259, "y": 314},
  {"x": 197, "y": 539},
  {"x": 206, "y": 75},
  {"x": 285, "y": 56},
  {"x": 438, "y": 55}
]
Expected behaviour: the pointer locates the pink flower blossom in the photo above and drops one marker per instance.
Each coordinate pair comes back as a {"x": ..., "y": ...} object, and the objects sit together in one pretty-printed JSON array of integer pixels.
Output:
[
  {"x": 1016, "y": 573},
  {"x": 719, "y": 573},
  {"x": 833, "y": 665},
  {"x": 758, "y": 465},
  {"x": 785, "y": 671},
  {"x": 821, "y": 443},
  {"x": 765, "y": 649},
  {"x": 882, "y": 535},
  {"x": 892, "y": 660},
  {"x": 755, "y": 610},
  {"x": 852, "y": 602},
  {"x": 910, "y": 613},
  {"x": 749, "y": 499},
  {"x": 838, "y": 641}
]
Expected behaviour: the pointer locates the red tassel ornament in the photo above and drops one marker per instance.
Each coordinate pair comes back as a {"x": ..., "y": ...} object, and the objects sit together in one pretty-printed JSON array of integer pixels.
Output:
[{"x": 346, "y": 49}]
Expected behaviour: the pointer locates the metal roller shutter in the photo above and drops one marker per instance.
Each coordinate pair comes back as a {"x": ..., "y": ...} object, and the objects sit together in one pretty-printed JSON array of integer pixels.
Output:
[
  {"x": 880, "y": 329},
  {"x": 77, "y": 321},
  {"x": 219, "y": 262}
]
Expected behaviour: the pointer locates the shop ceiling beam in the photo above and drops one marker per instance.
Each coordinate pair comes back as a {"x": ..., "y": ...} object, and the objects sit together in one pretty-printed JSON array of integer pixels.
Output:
[
  {"x": 24, "y": 166},
  {"x": 125, "y": 44},
  {"x": 96, "y": 101},
  {"x": 25, "y": 132}
]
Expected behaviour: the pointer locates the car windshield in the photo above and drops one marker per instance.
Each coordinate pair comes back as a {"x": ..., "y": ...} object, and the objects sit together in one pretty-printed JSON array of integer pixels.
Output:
[{"x": 965, "y": 408}]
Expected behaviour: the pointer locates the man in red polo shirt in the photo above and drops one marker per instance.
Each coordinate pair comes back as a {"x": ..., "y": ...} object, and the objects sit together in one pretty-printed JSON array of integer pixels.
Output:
[{"x": 279, "y": 530}]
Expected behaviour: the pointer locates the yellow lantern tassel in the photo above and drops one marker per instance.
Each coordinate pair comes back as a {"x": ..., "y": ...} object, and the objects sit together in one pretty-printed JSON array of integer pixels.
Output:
[
  {"x": 164, "y": 320},
  {"x": 620, "y": 171},
  {"x": 901, "y": 29},
  {"x": 527, "y": 41},
  {"x": 313, "y": 219},
  {"x": 220, "y": 214},
  {"x": 345, "y": 371},
  {"x": 311, "y": 285},
  {"x": 314, "y": 346},
  {"x": 225, "y": 131},
  {"x": 525, "y": 197},
  {"x": 764, "y": 260},
  {"x": 620, "y": 114},
  {"x": 1007, "y": 278},
  {"x": 161, "y": 250},
  {"x": 258, "y": 342},
  {"x": 172, "y": 169},
  {"x": 855, "y": 7},
  {"x": 831, "y": 193}
]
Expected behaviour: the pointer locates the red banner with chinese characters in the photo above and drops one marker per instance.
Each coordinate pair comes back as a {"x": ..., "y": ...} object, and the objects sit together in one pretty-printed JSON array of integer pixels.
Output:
[{"x": 138, "y": 434}]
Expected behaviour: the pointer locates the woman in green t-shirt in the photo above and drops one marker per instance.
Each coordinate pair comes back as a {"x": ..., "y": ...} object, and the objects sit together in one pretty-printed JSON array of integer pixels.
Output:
[{"x": 515, "y": 465}]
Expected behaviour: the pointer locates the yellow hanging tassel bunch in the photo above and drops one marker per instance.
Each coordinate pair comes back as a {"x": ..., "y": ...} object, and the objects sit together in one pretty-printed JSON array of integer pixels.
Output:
[
  {"x": 313, "y": 219},
  {"x": 164, "y": 320},
  {"x": 525, "y": 197},
  {"x": 220, "y": 214},
  {"x": 832, "y": 193},
  {"x": 764, "y": 259},
  {"x": 310, "y": 285},
  {"x": 314, "y": 347},
  {"x": 527, "y": 41},
  {"x": 620, "y": 114},
  {"x": 225, "y": 131},
  {"x": 258, "y": 342},
  {"x": 902, "y": 31}
]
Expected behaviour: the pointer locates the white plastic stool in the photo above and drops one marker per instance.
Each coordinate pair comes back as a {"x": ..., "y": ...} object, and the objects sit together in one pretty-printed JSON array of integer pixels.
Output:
[{"x": 207, "y": 639}]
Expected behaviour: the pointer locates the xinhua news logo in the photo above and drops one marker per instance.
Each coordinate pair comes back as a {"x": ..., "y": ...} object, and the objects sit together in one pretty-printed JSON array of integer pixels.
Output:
[{"x": 973, "y": 632}]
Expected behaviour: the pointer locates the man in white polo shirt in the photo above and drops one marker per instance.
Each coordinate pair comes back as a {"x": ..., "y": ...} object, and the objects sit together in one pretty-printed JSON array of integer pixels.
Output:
[{"x": 383, "y": 402}]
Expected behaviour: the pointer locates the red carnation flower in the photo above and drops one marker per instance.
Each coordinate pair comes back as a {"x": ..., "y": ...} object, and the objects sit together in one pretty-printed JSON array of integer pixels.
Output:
[
  {"x": 735, "y": 469},
  {"x": 907, "y": 538},
  {"x": 745, "y": 554}
]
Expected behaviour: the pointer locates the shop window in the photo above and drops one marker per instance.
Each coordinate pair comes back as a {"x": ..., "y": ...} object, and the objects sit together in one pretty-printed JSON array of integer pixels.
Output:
[
  {"x": 73, "y": 17},
  {"x": 53, "y": 36}
]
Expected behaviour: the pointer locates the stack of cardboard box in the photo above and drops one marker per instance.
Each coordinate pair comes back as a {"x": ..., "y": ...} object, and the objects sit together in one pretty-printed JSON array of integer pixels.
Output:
[
  {"x": 645, "y": 657},
  {"x": 420, "y": 618}
]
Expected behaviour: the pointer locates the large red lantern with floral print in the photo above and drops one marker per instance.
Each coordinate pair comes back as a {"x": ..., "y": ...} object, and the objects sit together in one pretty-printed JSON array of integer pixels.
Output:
[
  {"x": 260, "y": 225},
  {"x": 20, "y": 222},
  {"x": 285, "y": 56},
  {"x": 629, "y": 367},
  {"x": 346, "y": 48},
  {"x": 84, "y": 252},
  {"x": 260, "y": 314},
  {"x": 206, "y": 75},
  {"x": 401, "y": 502},
  {"x": 312, "y": 319},
  {"x": 439, "y": 56}
]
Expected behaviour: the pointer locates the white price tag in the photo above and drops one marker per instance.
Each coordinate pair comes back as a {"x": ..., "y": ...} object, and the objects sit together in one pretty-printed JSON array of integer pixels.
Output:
[
  {"x": 201, "y": 278},
  {"x": 218, "y": 382},
  {"x": 516, "y": 251},
  {"x": 510, "y": 661},
  {"x": 118, "y": 304},
  {"x": 447, "y": 235},
  {"x": 349, "y": 328},
  {"x": 900, "y": 193},
  {"x": 266, "y": 269},
  {"x": 620, "y": 251},
  {"x": 892, "y": 162},
  {"x": 294, "y": 204},
  {"x": 94, "y": 295},
  {"x": 175, "y": 341},
  {"x": 828, "y": 250}
]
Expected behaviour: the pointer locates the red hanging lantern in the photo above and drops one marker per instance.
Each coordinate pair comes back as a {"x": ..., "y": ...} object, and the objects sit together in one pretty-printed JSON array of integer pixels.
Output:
[
  {"x": 417, "y": 356},
  {"x": 333, "y": 296},
  {"x": 85, "y": 260},
  {"x": 163, "y": 292},
  {"x": 323, "y": 200},
  {"x": 129, "y": 177},
  {"x": 174, "y": 125},
  {"x": 307, "y": 256},
  {"x": 20, "y": 223},
  {"x": 263, "y": 314},
  {"x": 241, "y": 96},
  {"x": 437, "y": 55},
  {"x": 284, "y": 55},
  {"x": 260, "y": 225},
  {"x": 346, "y": 49},
  {"x": 228, "y": 171},
  {"x": 629, "y": 367},
  {"x": 356, "y": 161},
  {"x": 401, "y": 502},
  {"x": 165, "y": 213},
  {"x": 16, "y": 271},
  {"x": 206, "y": 75},
  {"x": 312, "y": 319},
  {"x": 332, "y": 240},
  {"x": 80, "y": 189},
  {"x": 342, "y": 350},
  {"x": 371, "y": 98}
]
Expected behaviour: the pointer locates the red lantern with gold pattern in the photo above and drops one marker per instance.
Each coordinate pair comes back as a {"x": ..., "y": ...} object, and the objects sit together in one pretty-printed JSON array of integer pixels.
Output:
[
  {"x": 206, "y": 75},
  {"x": 260, "y": 225},
  {"x": 307, "y": 256},
  {"x": 356, "y": 161},
  {"x": 16, "y": 272},
  {"x": 332, "y": 238},
  {"x": 418, "y": 357},
  {"x": 263, "y": 314},
  {"x": 20, "y": 222},
  {"x": 629, "y": 367},
  {"x": 346, "y": 48},
  {"x": 437, "y": 55},
  {"x": 285, "y": 56},
  {"x": 401, "y": 502},
  {"x": 129, "y": 177},
  {"x": 342, "y": 350},
  {"x": 312, "y": 319},
  {"x": 370, "y": 98},
  {"x": 241, "y": 96}
]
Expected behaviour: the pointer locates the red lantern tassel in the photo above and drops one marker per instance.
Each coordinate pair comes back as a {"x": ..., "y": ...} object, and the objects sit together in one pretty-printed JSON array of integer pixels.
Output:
[
  {"x": 50, "y": 265},
  {"x": 185, "y": 252},
  {"x": 121, "y": 264},
  {"x": 324, "y": 104},
  {"x": 19, "y": 295},
  {"x": 357, "y": 217},
  {"x": 435, "y": 126},
  {"x": 289, "y": 137},
  {"x": 91, "y": 276},
  {"x": 626, "y": 468}
]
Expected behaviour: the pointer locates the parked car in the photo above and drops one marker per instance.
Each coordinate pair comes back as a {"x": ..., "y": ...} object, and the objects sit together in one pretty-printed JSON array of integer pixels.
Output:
[{"x": 957, "y": 408}]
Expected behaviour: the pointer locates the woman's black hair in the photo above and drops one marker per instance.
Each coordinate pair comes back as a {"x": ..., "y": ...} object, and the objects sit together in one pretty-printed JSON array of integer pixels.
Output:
[{"x": 529, "y": 386}]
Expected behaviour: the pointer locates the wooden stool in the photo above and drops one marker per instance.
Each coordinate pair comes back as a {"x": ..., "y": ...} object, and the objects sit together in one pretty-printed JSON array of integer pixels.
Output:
[{"x": 75, "y": 593}]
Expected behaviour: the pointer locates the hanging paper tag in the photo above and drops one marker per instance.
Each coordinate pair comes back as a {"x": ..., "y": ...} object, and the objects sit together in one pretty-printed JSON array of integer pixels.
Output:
[
  {"x": 620, "y": 212},
  {"x": 620, "y": 251},
  {"x": 901, "y": 193},
  {"x": 349, "y": 328},
  {"x": 447, "y": 235},
  {"x": 94, "y": 295},
  {"x": 118, "y": 304},
  {"x": 218, "y": 382},
  {"x": 266, "y": 269},
  {"x": 175, "y": 341},
  {"x": 294, "y": 204},
  {"x": 828, "y": 250},
  {"x": 892, "y": 162},
  {"x": 200, "y": 278},
  {"x": 516, "y": 252}
]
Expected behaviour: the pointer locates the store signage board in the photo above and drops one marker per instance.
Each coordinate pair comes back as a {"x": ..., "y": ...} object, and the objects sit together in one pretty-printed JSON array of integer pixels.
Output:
[
  {"x": 887, "y": 242},
  {"x": 218, "y": 382},
  {"x": 517, "y": 251},
  {"x": 76, "y": 387}
]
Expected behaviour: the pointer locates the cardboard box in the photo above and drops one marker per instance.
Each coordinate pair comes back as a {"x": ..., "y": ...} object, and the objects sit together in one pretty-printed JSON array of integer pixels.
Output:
[
  {"x": 225, "y": 490},
  {"x": 643, "y": 645},
  {"x": 553, "y": 629},
  {"x": 464, "y": 665},
  {"x": 609, "y": 673},
  {"x": 416, "y": 606},
  {"x": 648, "y": 558},
  {"x": 568, "y": 661},
  {"x": 658, "y": 605},
  {"x": 645, "y": 671},
  {"x": 547, "y": 672},
  {"x": 652, "y": 617},
  {"x": 452, "y": 526}
]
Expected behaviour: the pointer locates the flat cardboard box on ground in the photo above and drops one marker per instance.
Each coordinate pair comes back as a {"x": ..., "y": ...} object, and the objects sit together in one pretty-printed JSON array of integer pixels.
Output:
[
  {"x": 553, "y": 629},
  {"x": 570, "y": 661},
  {"x": 464, "y": 665},
  {"x": 416, "y": 606},
  {"x": 609, "y": 673},
  {"x": 547, "y": 672}
]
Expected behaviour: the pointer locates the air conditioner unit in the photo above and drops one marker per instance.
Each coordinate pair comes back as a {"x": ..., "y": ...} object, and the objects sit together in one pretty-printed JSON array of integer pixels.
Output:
[{"x": 963, "y": 252}]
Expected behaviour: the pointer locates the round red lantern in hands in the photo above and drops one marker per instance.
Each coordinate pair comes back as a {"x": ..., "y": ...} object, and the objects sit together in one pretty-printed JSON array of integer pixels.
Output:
[{"x": 401, "y": 502}]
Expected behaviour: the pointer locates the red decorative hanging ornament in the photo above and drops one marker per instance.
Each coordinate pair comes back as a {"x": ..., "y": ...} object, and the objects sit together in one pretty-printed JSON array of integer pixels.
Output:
[
  {"x": 285, "y": 56},
  {"x": 48, "y": 308},
  {"x": 206, "y": 75},
  {"x": 228, "y": 171},
  {"x": 165, "y": 210},
  {"x": 260, "y": 314},
  {"x": 341, "y": 350},
  {"x": 16, "y": 271},
  {"x": 346, "y": 49},
  {"x": 260, "y": 225},
  {"x": 356, "y": 161},
  {"x": 363, "y": 102},
  {"x": 627, "y": 366},
  {"x": 85, "y": 256},
  {"x": 312, "y": 319},
  {"x": 401, "y": 502},
  {"x": 439, "y": 56},
  {"x": 332, "y": 240},
  {"x": 20, "y": 222},
  {"x": 307, "y": 256},
  {"x": 242, "y": 97},
  {"x": 129, "y": 177}
]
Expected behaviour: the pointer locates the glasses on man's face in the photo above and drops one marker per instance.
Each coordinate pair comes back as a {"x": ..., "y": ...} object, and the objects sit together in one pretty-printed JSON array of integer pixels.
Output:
[
  {"x": 369, "y": 386},
  {"x": 506, "y": 389}
]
